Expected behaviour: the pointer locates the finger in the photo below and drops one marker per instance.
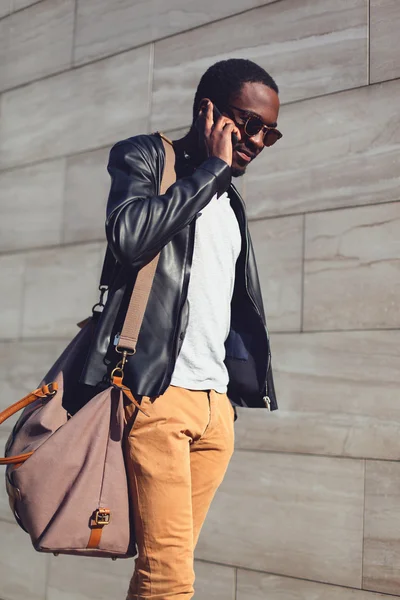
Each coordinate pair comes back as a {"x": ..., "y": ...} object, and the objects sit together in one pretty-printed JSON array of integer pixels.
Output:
[
  {"x": 209, "y": 120},
  {"x": 200, "y": 123},
  {"x": 237, "y": 133},
  {"x": 224, "y": 121},
  {"x": 204, "y": 107},
  {"x": 233, "y": 129},
  {"x": 230, "y": 128},
  {"x": 200, "y": 117}
]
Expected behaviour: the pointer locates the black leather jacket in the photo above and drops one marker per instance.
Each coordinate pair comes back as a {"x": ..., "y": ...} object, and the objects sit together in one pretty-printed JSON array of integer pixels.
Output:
[{"x": 141, "y": 223}]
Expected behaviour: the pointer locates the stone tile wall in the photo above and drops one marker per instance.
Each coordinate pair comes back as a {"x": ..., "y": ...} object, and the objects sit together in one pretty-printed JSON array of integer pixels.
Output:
[{"x": 309, "y": 507}]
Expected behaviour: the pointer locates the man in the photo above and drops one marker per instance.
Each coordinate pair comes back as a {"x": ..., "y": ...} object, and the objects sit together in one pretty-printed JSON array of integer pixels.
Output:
[{"x": 203, "y": 338}]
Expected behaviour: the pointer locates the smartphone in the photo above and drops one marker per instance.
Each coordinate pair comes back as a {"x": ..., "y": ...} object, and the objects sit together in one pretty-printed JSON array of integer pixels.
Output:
[{"x": 216, "y": 116}]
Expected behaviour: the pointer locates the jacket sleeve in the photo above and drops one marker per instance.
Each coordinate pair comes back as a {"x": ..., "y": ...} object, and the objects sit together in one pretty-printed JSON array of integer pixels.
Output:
[{"x": 140, "y": 222}]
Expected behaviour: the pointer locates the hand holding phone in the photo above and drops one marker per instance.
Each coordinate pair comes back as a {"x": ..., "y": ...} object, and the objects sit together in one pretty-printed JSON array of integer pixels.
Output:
[
  {"x": 216, "y": 131},
  {"x": 216, "y": 116}
]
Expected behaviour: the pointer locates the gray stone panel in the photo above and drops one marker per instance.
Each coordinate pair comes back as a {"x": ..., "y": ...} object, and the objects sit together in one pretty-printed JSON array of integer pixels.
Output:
[
  {"x": 385, "y": 55},
  {"x": 259, "y": 586},
  {"x": 77, "y": 578},
  {"x": 31, "y": 206},
  {"x": 339, "y": 150},
  {"x": 278, "y": 244},
  {"x": 337, "y": 393},
  {"x": 22, "y": 366},
  {"x": 36, "y": 42},
  {"x": 382, "y": 523},
  {"x": 12, "y": 274},
  {"x": 300, "y": 516},
  {"x": 61, "y": 288},
  {"x": 79, "y": 110},
  {"x": 352, "y": 269},
  {"x": 105, "y": 28},
  {"x": 24, "y": 571},
  {"x": 86, "y": 190}
]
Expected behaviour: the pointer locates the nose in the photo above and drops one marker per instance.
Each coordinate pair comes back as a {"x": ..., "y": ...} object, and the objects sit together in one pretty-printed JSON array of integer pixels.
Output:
[{"x": 258, "y": 139}]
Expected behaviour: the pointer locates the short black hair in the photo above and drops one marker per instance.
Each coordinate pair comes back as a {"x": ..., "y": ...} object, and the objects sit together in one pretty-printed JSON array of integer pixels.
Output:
[{"x": 224, "y": 80}]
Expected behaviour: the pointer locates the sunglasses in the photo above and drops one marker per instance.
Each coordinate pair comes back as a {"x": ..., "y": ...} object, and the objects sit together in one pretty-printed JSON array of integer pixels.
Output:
[{"x": 252, "y": 126}]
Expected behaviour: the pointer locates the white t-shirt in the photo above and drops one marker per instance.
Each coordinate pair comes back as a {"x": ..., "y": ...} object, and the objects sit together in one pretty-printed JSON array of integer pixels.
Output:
[{"x": 200, "y": 364}]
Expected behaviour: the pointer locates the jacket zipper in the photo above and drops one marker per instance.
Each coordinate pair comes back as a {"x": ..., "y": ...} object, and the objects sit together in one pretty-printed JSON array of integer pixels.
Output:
[
  {"x": 266, "y": 398},
  {"x": 168, "y": 372}
]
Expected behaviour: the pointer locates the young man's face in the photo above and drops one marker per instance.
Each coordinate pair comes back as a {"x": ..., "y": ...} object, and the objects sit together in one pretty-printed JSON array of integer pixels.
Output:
[{"x": 254, "y": 100}]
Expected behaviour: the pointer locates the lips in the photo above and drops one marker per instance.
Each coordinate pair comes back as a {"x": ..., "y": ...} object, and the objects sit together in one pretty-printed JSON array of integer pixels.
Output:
[{"x": 245, "y": 155}]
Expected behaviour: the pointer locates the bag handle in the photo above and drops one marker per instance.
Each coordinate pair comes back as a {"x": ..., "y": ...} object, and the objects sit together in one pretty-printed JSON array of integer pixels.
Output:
[
  {"x": 144, "y": 281},
  {"x": 45, "y": 391}
]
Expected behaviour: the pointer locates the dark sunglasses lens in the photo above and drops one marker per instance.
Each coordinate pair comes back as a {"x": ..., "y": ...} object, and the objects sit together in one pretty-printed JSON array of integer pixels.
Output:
[
  {"x": 253, "y": 126},
  {"x": 271, "y": 136}
]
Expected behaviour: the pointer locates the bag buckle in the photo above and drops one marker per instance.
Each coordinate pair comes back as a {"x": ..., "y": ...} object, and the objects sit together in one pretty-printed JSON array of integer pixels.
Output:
[
  {"x": 100, "y": 304},
  {"x": 52, "y": 388},
  {"x": 121, "y": 365},
  {"x": 102, "y": 516}
]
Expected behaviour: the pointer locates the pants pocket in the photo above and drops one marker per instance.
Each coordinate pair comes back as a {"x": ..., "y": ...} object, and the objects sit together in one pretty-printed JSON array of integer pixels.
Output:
[{"x": 133, "y": 415}]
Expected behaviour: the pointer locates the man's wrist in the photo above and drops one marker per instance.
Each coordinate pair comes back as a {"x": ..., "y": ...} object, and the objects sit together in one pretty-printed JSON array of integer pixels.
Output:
[{"x": 221, "y": 170}]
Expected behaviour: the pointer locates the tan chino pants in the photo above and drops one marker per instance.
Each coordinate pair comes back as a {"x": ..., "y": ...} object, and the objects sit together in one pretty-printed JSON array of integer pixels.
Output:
[{"x": 176, "y": 459}]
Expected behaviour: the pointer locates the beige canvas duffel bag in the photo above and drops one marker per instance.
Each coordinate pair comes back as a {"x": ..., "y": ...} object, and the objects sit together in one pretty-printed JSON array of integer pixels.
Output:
[{"x": 65, "y": 474}]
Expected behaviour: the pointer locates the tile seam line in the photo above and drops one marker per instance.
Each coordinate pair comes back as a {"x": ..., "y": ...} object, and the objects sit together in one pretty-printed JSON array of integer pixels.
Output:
[
  {"x": 290, "y": 577},
  {"x": 34, "y": 340},
  {"x": 297, "y": 454},
  {"x": 338, "y": 331},
  {"x": 369, "y": 42},
  {"x": 76, "y": 67},
  {"x": 303, "y": 272},
  {"x": 150, "y": 84},
  {"x": 236, "y": 583},
  {"x": 47, "y": 577},
  {"x": 257, "y": 219},
  {"x": 24, "y": 8},
  {"x": 320, "y": 210},
  {"x": 53, "y": 247},
  {"x": 250, "y": 219},
  {"x": 20, "y": 10},
  {"x": 22, "y": 302},
  {"x": 60, "y": 157},
  {"x": 74, "y": 26},
  {"x": 273, "y": 333},
  {"x": 363, "y": 524},
  {"x": 277, "y": 333},
  {"x": 63, "y": 211},
  {"x": 313, "y": 454},
  {"x": 354, "y": 330}
]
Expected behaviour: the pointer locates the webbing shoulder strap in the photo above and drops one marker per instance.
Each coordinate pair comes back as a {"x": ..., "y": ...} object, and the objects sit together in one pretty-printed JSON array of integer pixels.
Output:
[{"x": 145, "y": 277}]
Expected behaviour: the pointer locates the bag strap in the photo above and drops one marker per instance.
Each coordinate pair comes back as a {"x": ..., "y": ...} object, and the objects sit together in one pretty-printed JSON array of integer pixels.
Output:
[
  {"x": 110, "y": 262},
  {"x": 133, "y": 320},
  {"x": 144, "y": 281}
]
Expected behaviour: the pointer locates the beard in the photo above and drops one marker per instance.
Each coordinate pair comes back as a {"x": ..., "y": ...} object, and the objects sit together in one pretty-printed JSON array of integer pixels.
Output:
[{"x": 237, "y": 172}]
